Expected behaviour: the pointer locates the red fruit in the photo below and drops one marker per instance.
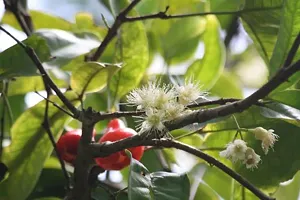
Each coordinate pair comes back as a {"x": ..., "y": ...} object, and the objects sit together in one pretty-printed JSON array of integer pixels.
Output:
[
  {"x": 67, "y": 145},
  {"x": 119, "y": 160},
  {"x": 115, "y": 124}
]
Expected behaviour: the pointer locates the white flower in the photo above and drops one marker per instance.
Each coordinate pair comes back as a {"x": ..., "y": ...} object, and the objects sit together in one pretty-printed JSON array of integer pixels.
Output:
[
  {"x": 151, "y": 96},
  {"x": 173, "y": 110},
  {"x": 153, "y": 120},
  {"x": 235, "y": 150},
  {"x": 188, "y": 93},
  {"x": 267, "y": 137},
  {"x": 251, "y": 159}
]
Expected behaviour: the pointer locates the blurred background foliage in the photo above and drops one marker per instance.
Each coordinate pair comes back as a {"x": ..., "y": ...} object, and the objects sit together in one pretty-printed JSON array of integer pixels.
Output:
[{"x": 230, "y": 55}]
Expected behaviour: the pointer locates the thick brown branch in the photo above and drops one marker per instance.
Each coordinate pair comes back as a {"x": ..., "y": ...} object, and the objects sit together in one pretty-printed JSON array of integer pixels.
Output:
[
  {"x": 101, "y": 116},
  {"x": 102, "y": 150}
]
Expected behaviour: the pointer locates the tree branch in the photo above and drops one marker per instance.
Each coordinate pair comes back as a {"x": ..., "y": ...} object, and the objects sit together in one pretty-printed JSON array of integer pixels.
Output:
[
  {"x": 292, "y": 51},
  {"x": 46, "y": 126},
  {"x": 112, "y": 32},
  {"x": 163, "y": 15},
  {"x": 101, "y": 116},
  {"x": 23, "y": 18},
  {"x": 101, "y": 150}
]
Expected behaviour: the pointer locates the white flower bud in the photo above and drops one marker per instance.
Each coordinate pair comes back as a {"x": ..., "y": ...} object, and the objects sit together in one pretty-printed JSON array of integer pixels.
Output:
[{"x": 267, "y": 137}]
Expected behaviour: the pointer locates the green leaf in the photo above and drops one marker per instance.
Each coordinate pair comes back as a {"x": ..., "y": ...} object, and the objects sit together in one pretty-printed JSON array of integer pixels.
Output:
[
  {"x": 289, "y": 29},
  {"x": 227, "y": 86},
  {"x": 208, "y": 69},
  {"x": 224, "y": 5},
  {"x": 263, "y": 26},
  {"x": 205, "y": 192},
  {"x": 22, "y": 85},
  {"x": 281, "y": 111},
  {"x": 30, "y": 148},
  {"x": 133, "y": 53},
  {"x": 181, "y": 40},
  {"x": 66, "y": 45},
  {"x": 170, "y": 186},
  {"x": 51, "y": 182},
  {"x": 92, "y": 76},
  {"x": 157, "y": 185},
  {"x": 288, "y": 97},
  {"x": 40, "y": 20},
  {"x": 200, "y": 190},
  {"x": 289, "y": 190},
  {"x": 139, "y": 182},
  {"x": 219, "y": 181},
  {"x": 15, "y": 62}
]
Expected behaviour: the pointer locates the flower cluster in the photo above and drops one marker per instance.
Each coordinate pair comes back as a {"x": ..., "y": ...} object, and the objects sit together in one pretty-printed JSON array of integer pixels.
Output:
[
  {"x": 162, "y": 103},
  {"x": 239, "y": 151}
]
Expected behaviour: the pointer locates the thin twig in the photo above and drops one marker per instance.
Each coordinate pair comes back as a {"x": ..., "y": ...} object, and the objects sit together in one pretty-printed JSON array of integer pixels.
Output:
[
  {"x": 4, "y": 92},
  {"x": 55, "y": 104},
  {"x": 101, "y": 150},
  {"x": 24, "y": 21},
  {"x": 112, "y": 31},
  {"x": 46, "y": 126},
  {"x": 164, "y": 15},
  {"x": 32, "y": 55}
]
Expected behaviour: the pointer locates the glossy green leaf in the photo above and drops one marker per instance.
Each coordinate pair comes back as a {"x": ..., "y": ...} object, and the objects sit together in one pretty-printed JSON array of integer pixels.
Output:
[
  {"x": 66, "y": 45},
  {"x": 51, "y": 183},
  {"x": 208, "y": 69},
  {"x": 40, "y": 20},
  {"x": 30, "y": 148},
  {"x": 17, "y": 106},
  {"x": 150, "y": 161},
  {"x": 102, "y": 193},
  {"x": 283, "y": 160},
  {"x": 133, "y": 53},
  {"x": 205, "y": 192},
  {"x": 22, "y": 85},
  {"x": 224, "y": 5},
  {"x": 227, "y": 86},
  {"x": 289, "y": 190},
  {"x": 15, "y": 62},
  {"x": 289, "y": 29},
  {"x": 181, "y": 40},
  {"x": 85, "y": 23},
  {"x": 219, "y": 181},
  {"x": 263, "y": 26},
  {"x": 170, "y": 186},
  {"x": 48, "y": 198},
  {"x": 157, "y": 185},
  {"x": 281, "y": 111},
  {"x": 288, "y": 97},
  {"x": 92, "y": 76},
  {"x": 139, "y": 187},
  {"x": 199, "y": 189}
]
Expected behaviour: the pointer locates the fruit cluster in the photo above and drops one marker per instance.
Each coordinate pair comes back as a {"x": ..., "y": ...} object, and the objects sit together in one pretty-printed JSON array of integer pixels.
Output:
[{"x": 116, "y": 130}]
